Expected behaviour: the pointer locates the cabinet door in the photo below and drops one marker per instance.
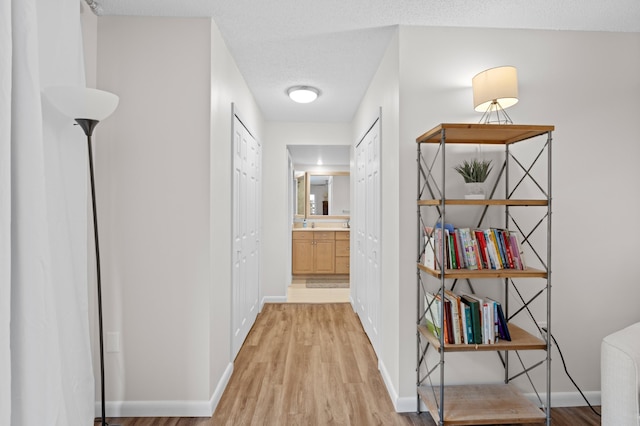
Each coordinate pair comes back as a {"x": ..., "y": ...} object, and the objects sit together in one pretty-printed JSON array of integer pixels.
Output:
[
  {"x": 342, "y": 265},
  {"x": 342, "y": 248},
  {"x": 302, "y": 261},
  {"x": 325, "y": 256}
]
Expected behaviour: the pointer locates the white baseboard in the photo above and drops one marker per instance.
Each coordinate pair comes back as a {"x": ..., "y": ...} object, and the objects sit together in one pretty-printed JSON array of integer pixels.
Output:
[
  {"x": 393, "y": 394},
  {"x": 272, "y": 299},
  {"x": 406, "y": 404},
  {"x": 220, "y": 387},
  {"x": 167, "y": 408}
]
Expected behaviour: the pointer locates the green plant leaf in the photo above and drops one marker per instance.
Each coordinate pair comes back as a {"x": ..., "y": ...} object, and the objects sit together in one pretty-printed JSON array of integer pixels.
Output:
[{"x": 474, "y": 170}]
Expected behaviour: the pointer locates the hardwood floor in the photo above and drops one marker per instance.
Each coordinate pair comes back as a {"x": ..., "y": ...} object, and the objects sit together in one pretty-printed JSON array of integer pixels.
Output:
[{"x": 312, "y": 364}]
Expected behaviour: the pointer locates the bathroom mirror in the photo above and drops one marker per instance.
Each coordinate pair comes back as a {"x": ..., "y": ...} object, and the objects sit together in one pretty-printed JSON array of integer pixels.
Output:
[
  {"x": 328, "y": 195},
  {"x": 300, "y": 201},
  {"x": 320, "y": 186}
]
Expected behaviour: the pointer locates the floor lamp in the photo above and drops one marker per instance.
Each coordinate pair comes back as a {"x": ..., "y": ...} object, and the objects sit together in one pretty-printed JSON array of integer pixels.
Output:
[{"x": 87, "y": 107}]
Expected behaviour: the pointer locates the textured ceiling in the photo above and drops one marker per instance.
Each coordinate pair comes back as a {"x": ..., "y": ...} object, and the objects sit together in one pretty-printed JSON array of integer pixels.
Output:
[{"x": 336, "y": 45}]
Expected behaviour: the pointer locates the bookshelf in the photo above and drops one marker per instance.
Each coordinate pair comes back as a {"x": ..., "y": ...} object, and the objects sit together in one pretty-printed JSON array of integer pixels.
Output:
[{"x": 502, "y": 401}]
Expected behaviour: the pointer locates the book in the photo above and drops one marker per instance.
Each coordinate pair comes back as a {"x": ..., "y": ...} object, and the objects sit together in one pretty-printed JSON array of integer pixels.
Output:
[
  {"x": 504, "y": 239},
  {"x": 448, "y": 321},
  {"x": 484, "y": 253},
  {"x": 459, "y": 247},
  {"x": 439, "y": 246},
  {"x": 442, "y": 245},
  {"x": 502, "y": 257},
  {"x": 432, "y": 316},
  {"x": 476, "y": 322},
  {"x": 493, "y": 249},
  {"x": 488, "y": 323},
  {"x": 469, "y": 249},
  {"x": 517, "y": 249},
  {"x": 502, "y": 328},
  {"x": 467, "y": 323},
  {"x": 476, "y": 249},
  {"x": 447, "y": 329},
  {"x": 452, "y": 251},
  {"x": 429, "y": 259},
  {"x": 456, "y": 314}
]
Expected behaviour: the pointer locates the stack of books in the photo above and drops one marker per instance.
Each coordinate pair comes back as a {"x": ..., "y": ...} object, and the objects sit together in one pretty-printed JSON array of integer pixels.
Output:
[
  {"x": 464, "y": 248},
  {"x": 468, "y": 318}
]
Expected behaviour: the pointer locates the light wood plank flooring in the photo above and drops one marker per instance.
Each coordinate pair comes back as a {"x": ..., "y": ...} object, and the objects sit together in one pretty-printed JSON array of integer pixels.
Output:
[{"x": 312, "y": 364}]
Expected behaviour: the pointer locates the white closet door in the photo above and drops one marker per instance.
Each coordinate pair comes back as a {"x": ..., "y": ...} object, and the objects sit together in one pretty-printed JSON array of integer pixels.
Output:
[
  {"x": 246, "y": 233},
  {"x": 367, "y": 223}
]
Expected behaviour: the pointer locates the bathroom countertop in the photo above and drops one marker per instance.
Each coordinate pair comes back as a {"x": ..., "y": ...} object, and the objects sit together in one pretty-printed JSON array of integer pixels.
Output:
[{"x": 319, "y": 228}]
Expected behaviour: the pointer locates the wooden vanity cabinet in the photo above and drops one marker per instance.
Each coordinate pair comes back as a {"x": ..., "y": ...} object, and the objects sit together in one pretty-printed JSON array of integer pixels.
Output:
[
  {"x": 325, "y": 252},
  {"x": 302, "y": 253},
  {"x": 320, "y": 252},
  {"x": 342, "y": 252}
]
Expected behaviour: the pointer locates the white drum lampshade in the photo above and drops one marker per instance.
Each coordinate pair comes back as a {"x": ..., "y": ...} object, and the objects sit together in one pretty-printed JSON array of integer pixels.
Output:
[{"x": 495, "y": 85}]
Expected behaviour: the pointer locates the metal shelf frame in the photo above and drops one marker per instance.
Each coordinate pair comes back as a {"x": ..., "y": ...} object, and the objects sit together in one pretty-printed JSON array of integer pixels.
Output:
[{"x": 432, "y": 207}]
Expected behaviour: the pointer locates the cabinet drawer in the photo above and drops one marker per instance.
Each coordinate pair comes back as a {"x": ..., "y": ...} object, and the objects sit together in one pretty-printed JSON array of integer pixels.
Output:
[
  {"x": 324, "y": 235},
  {"x": 302, "y": 235},
  {"x": 342, "y": 235},
  {"x": 342, "y": 248}
]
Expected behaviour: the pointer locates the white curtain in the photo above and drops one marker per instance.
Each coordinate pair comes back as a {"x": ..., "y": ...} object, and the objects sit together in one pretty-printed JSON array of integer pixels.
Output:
[{"x": 46, "y": 375}]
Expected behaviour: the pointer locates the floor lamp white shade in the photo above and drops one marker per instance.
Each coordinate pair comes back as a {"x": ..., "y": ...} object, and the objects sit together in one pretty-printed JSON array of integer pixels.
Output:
[{"x": 82, "y": 102}]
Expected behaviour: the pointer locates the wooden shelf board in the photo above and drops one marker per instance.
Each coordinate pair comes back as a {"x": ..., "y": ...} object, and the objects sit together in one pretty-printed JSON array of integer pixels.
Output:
[
  {"x": 483, "y": 133},
  {"x": 485, "y": 273},
  {"x": 492, "y": 202},
  {"x": 481, "y": 405},
  {"x": 520, "y": 340}
]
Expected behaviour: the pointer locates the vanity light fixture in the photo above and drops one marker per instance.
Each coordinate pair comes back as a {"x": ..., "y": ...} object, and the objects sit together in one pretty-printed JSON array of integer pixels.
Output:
[
  {"x": 303, "y": 94},
  {"x": 494, "y": 90}
]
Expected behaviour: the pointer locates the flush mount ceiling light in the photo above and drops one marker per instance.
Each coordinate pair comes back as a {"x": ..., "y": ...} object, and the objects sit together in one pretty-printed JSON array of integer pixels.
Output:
[{"x": 303, "y": 94}]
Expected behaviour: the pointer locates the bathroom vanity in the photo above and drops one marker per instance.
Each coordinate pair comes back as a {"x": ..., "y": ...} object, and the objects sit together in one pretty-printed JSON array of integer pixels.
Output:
[{"x": 321, "y": 251}]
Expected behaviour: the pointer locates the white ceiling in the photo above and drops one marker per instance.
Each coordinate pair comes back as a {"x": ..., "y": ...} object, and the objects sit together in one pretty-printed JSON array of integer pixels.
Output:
[{"x": 336, "y": 45}]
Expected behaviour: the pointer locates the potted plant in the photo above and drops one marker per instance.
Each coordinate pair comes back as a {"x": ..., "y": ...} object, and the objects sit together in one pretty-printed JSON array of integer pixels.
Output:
[{"x": 474, "y": 173}]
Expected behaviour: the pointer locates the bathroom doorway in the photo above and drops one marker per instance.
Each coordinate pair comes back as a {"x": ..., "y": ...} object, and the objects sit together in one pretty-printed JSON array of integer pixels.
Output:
[{"x": 319, "y": 217}]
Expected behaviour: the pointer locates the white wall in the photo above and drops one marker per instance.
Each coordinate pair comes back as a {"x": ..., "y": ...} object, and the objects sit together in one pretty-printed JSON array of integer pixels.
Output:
[
  {"x": 276, "y": 217},
  {"x": 383, "y": 93},
  {"x": 227, "y": 87},
  {"x": 154, "y": 181},
  {"x": 164, "y": 179},
  {"x": 586, "y": 84},
  {"x": 164, "y": 176}
]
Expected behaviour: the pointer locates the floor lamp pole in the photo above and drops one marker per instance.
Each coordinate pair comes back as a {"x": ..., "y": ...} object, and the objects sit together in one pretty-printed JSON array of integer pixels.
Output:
[{"x": 88, "y": 125}]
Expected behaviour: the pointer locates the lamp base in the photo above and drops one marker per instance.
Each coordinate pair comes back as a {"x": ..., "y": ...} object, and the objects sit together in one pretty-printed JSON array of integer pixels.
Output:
[{"x": 495, "y": 114}]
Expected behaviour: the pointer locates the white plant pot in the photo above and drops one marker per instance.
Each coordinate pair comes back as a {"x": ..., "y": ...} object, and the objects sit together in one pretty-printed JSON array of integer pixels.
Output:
[{"x": 474, "y": 191}]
